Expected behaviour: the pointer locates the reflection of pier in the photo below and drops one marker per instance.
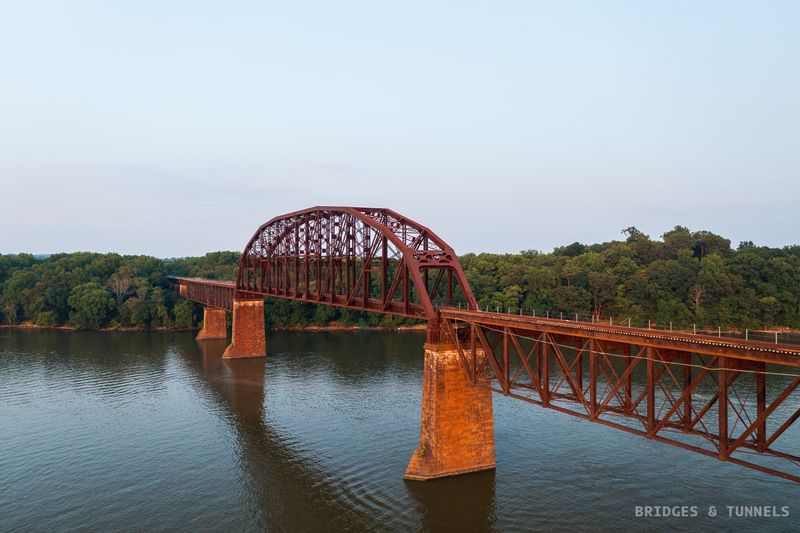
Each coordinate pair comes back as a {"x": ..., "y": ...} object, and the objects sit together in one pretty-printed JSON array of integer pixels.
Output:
[
  {"x": 456, "y": 503},
  {"x": 282, "y": 487}
]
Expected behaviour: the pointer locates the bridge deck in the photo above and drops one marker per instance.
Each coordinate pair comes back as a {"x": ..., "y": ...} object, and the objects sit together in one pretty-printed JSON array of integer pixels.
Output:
[
  {"x": 220, "y": 294},
  {"x": 209, "y": 292},
  {"x": 204, "y": 281},
  {"x": 784, "y": 354}
]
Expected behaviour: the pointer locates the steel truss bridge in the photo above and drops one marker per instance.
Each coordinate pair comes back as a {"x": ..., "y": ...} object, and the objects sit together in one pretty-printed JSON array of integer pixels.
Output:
[{"x": 726, "y": 398}]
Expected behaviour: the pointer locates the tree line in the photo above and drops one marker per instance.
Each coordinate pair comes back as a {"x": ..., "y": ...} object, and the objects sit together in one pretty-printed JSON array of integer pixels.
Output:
[
  {"x": 91, "y": 291},
  {"x": 683, "y": 278}
]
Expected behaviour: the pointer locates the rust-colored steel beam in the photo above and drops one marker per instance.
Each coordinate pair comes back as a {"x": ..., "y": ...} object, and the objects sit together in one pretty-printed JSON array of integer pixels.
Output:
[
  {"x": 210, "y": 293},
  {"x": 388, "y": 262},
  {"x": 677, "y": 396},
  {"x": 762, "y": 352}
]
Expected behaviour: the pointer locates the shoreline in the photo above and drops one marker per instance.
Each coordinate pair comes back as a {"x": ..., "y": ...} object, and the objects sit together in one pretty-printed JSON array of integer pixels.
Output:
[
  {"x": 397, "y": 329},
  {"x": 101, "y": 330},
  {"x": 416, "y": 328}
]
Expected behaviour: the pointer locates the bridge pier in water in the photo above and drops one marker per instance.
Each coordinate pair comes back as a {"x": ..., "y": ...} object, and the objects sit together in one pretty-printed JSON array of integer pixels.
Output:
[
  {"x": 215, "y": 324},
  {"x": 457, "y": 424},
  {"x": 248, "y": 338}
]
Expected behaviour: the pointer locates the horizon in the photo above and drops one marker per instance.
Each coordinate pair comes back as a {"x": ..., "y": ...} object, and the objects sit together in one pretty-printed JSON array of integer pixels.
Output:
[{"x": 659, "y": 238}]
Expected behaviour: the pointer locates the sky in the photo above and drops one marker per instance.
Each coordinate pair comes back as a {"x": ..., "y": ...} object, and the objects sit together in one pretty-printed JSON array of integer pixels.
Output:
[{"x": 177, "y": 128}]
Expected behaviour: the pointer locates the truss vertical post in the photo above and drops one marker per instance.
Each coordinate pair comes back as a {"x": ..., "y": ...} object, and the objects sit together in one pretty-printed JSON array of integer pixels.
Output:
[
  {"x": 450, "y": 286},
  {"x": 306, "y": 260},
  {"x": 629, "y": 380},
  {"x": 406, "y": 290},
  {"x": 348, "y": 253},
  {"x": 687, "y": 382},
  {"x": 544, "y": 369},
  {"x": 592, "y": 380},
  {"x": 384, "y": 269},
  {"x": 286, "y": 279},
  {"x": 296, "y": 290},
  {"x": 651, "y": 392},
  {"x": 722, "y": 380},
  {"x": 761, "y": 406},
  {"x": 506, "y": 378},
  {"x": 367, "y": 265}
]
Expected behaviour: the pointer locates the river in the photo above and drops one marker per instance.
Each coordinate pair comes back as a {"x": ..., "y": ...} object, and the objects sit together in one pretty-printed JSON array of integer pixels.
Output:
[{"x": 153, "y": 431}]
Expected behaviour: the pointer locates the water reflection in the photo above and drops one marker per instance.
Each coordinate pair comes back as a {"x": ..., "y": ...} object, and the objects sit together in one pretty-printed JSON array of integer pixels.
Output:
[
  {"x": 153, "y": 431},
  {"x": 287, "y": 484},
  {"x": 283, "y": 487},
  {"x": 461, "y": 503}
]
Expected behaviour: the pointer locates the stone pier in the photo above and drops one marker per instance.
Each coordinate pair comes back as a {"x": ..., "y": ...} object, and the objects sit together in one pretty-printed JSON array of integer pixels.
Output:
[
  {"x": 215, "y": 324},
  {"x": 457, "y": 429},
  {"x": 248, "y": 338}
]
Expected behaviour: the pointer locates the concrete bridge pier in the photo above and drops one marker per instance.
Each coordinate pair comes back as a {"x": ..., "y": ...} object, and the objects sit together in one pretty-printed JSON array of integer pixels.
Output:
[
  {"x": 248, "y": 338},
  {"x": 215, "y": 324},
  {"x": 457, "y": 427}
]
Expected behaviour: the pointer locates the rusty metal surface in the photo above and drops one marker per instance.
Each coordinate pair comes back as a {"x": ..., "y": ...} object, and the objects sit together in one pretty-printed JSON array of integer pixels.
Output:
[
  {"x": 704, "y": 398},
  {"x": 211, "y": 293},
  {"x": 785, "y": 354},
  {"x": 366, "y": 259}
]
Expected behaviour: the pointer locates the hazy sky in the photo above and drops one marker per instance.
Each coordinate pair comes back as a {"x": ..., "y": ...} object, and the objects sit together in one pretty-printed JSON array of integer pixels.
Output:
[{"x": 175, "y": 128}]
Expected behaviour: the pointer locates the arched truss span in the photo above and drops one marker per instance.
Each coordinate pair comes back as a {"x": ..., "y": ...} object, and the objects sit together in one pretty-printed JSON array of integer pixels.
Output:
[{"x": 360, "y": 258}]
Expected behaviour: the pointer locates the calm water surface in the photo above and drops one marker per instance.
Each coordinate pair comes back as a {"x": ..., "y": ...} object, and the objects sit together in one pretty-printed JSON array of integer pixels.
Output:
[{"x": 153, "y": 431}]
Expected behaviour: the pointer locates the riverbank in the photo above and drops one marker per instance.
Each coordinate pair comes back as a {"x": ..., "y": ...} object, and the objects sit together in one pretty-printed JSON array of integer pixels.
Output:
[
  {"x": 335, "y": 327},
  {"x": 66, "y": 327},
  {"x": 415, "y": 328}
]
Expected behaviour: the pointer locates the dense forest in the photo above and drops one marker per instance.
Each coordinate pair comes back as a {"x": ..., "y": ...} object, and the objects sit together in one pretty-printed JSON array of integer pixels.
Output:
[{"x": 684, "y": 278}]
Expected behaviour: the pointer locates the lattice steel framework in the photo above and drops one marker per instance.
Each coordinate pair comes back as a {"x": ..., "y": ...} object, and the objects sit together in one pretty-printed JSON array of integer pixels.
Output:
[
  {"x": 360, "y": 258},
  {"x": 728, "y": 399},
  {"x": 211, "y": 293}
]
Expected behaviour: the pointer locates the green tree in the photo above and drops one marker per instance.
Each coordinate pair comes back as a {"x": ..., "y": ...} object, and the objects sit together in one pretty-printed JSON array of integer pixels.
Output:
[
  {"x": 678, "y": 239},
  {"x": 91, "y": 305},
  {"x": 184, "y": 314},
  {"x": 602, "y": 286},
  {"x": 46, "y": 318},
  {"x": 706, "y": 243},
  {"x": 571, "y": 300}
]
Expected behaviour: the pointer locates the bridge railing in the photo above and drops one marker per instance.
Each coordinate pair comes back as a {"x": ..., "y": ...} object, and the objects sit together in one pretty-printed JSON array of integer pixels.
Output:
[{"x": 774, "y": 335}]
